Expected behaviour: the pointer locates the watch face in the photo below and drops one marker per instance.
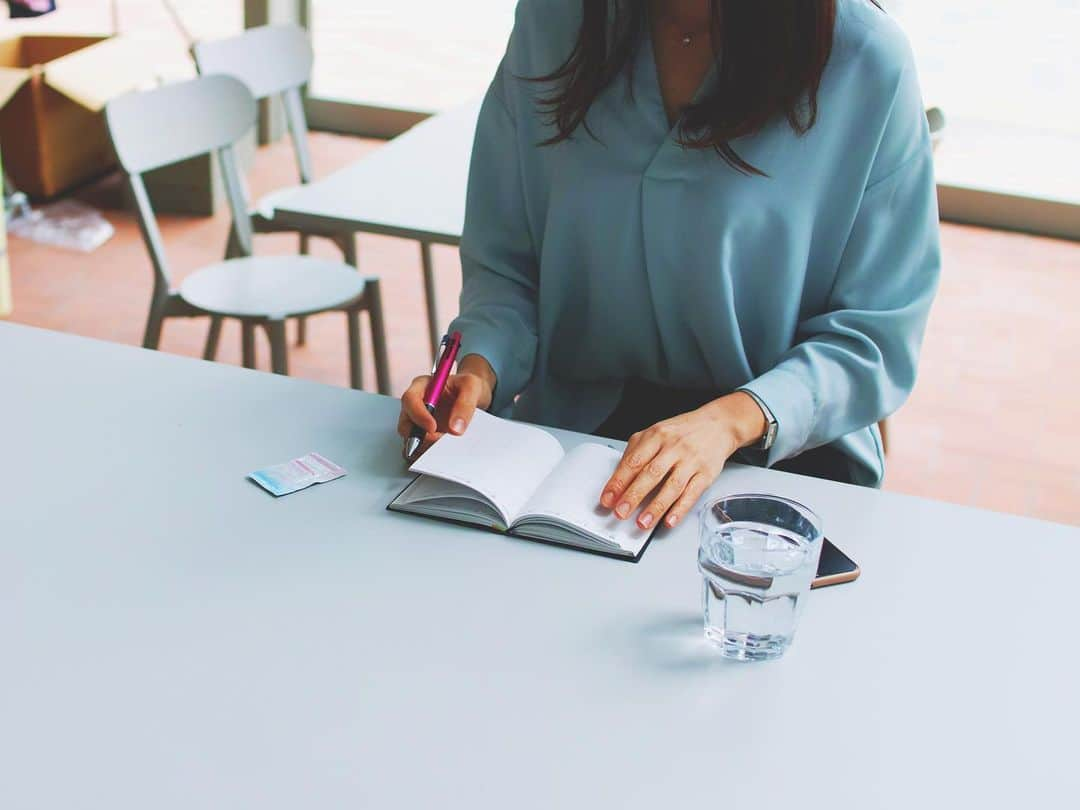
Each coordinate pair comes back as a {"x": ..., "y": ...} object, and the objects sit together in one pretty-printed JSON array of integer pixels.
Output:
[{"x": 770, "y": 436}]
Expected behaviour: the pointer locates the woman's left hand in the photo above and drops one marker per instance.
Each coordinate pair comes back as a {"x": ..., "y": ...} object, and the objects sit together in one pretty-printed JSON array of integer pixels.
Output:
[{"x": 686, "y": 453}]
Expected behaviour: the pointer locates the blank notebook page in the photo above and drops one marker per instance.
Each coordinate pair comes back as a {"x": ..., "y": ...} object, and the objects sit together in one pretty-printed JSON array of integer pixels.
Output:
[
  {"x": 572, "y": 494},
  {"x": 504, "y": 461}
]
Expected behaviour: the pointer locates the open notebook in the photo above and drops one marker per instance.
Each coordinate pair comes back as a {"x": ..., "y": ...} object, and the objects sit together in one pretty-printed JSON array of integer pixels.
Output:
[{"x": 517, "y": 479}]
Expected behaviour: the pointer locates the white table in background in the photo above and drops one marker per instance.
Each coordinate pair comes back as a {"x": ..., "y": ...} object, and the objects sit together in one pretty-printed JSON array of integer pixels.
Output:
[
  {"x": 173, "y": 637},
  {"x": 413, "y": 187}
]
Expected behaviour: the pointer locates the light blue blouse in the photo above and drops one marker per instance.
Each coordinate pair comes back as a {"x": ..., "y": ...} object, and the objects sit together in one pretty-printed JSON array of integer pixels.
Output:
[{"x": 594, "y": 261}]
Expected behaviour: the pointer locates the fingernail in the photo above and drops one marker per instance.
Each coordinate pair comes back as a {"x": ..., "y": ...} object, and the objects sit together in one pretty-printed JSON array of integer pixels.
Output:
[
  {"x": 645, "y": 520},
  {"x": 458, "y": 426},
  {"x": 623, "y": 509},
  {"x": 607, "y": 498},
  {"x": 671, "y": 521}
]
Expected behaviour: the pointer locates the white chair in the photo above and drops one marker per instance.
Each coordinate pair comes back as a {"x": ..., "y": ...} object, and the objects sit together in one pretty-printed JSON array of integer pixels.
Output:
[
  {"x": 208, "y": 115},
  {"x": 274, "y": 61}
]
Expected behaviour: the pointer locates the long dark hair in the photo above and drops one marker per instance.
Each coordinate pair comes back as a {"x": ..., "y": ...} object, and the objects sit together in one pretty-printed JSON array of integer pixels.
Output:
[{"x": 772, "y": 54}]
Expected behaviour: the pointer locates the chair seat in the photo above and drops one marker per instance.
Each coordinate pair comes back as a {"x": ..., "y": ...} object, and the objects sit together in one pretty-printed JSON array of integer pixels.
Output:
[{"x": 272, "y": 287}]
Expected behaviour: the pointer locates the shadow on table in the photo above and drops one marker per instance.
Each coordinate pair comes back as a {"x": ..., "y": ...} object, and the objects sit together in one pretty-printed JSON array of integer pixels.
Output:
[{"x": 674, "y": 643}]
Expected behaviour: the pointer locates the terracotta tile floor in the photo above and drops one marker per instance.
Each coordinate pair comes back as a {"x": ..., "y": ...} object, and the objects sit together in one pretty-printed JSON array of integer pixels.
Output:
[{"x": 991, "y": 424}]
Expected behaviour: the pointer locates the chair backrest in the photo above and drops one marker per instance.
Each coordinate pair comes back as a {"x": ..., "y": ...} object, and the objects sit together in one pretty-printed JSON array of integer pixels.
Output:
[
  {"x": 175, "y": 122},
  {"x": 272, "y": 60},
  {"x": 269, "y": 59},
  {"x": 178, "y": 121}
]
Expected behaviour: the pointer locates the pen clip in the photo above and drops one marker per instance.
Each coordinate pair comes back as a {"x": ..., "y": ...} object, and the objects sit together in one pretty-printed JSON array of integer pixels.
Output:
[{"x": 438, "y": 354}]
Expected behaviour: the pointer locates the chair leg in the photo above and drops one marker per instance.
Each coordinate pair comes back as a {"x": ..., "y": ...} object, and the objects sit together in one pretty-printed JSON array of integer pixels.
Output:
[
  {"x": 373, "y": 298},
  {"x": 279, "y": 347},
  {"x": 356, "y": 357},
  {"x": 429, "y": 295},
  {"x": 349, "y": 250},
  {"x": 154, "y": 321},
  {"x": 301, "y": 322},
  {"x": 233, "y": 248},
  {"x": 247, "y": 344},
  {"x": 213, "y": 337}
]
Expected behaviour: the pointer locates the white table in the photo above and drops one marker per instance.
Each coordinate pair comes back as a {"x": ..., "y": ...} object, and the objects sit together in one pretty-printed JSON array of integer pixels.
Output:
[
  {"x": 414, "y": 187},
  {"x": 173, "y": 637}
]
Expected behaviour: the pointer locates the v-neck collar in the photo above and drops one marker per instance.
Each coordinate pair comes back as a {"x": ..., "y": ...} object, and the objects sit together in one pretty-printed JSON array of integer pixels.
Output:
[{"x": 651, "y": 80}]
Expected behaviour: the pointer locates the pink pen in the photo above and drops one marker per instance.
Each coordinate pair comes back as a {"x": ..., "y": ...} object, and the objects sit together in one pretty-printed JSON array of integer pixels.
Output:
[{"x": 450, "y": 345}]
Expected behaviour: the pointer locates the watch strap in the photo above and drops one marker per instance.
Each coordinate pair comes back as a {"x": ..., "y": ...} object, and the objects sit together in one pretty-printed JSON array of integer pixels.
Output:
[{"x": 769, "y": 438}]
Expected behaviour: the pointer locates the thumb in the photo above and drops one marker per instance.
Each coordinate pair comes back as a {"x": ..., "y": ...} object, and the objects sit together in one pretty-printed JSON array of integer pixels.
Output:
[{"x": 468, "y": 394}]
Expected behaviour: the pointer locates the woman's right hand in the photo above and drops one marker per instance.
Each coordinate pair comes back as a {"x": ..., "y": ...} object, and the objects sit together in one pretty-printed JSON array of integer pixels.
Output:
[{"x": 472, "y": 387}]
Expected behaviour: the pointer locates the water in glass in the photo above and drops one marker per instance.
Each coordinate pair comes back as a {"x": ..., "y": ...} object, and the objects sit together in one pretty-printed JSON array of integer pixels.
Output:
[{"x": 758, "y": 556}]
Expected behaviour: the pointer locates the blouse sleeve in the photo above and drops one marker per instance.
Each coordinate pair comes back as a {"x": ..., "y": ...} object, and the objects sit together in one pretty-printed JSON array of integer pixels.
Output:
[
  {"x": 855, "y": 363},
  {"x": 497, "y": 317}
]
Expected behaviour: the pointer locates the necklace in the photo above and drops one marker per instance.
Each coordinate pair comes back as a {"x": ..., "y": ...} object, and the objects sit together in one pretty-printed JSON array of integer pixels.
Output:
[{"x": 686, "y": 36}]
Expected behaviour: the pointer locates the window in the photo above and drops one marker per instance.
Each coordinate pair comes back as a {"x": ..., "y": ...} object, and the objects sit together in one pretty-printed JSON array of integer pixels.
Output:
[
  {"x": 1007, "y": 77},
  {"x": 424, "y": 55},
  {"x": 165, "y": 25}
]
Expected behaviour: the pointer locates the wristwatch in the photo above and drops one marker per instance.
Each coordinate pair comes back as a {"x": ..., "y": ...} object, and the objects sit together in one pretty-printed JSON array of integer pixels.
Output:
[{"x": 769, "y": 438}]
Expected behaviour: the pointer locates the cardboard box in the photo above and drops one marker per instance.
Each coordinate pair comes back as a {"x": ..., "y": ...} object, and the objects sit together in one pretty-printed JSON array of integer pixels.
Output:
[{"x": 52, "y": 90}]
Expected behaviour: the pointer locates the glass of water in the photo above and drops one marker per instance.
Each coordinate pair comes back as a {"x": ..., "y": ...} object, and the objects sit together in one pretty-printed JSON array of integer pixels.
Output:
[{"x": 758, "y": 556}]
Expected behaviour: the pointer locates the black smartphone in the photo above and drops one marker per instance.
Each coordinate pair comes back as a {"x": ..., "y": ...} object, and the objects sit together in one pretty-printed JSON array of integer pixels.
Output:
[{"x": 834, "y": 567}]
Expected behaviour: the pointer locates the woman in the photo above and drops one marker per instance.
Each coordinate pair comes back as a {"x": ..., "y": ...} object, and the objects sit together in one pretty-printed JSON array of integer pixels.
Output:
[{"x": 706, "y": 227}]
